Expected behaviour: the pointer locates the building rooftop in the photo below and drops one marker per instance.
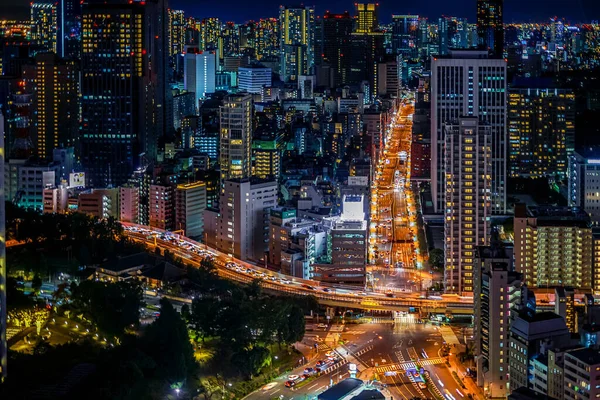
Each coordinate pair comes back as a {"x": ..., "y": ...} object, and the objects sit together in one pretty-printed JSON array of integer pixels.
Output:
[
  {"x": 539, "y": 325},
  {"x": 587, "y": 356},
  {"x": 369, "y": 394},
  {"x": 554, "y": 216},
  {"x": 341, "y": 390}
]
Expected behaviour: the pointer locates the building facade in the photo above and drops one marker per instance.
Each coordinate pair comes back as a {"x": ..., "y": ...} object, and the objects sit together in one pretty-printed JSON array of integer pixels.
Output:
[
  {"x": 190, "y": 203},
  {"x": 297, "y": 41},
  {"x": 236, "y": 116},
  {"x": 541, "y": 130},
  {"x": 252, "y": 79},
  {"x": 468, "y": 83},
  {"x": 468, "y": 201},
  {"x": 553, "y": 247}
]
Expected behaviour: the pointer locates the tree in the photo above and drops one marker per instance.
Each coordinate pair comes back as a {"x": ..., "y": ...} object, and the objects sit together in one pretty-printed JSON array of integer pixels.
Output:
[
  {"x": 168, "y": 342},
  {"x": 251, "y": 361},
  {"x": 36, "y": 283},
  {"x": 113, "y": 307},
  {"x": 205, "y": 315},
  {"x": 296, "y": 325},
  {"x": 436, "y": 258},
  {"x": 185, "y": 312}
]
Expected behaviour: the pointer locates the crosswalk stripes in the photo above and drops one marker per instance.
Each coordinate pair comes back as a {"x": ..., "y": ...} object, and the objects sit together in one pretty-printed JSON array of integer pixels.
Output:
[
  {"x": 335, "y": 366},
  {"x": 323, "y": 347},
  {"x": 405, "y": 366}
]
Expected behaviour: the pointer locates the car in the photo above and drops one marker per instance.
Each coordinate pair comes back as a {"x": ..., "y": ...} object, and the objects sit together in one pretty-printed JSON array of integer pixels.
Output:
[
  {"x": 269, "y": 386},
  {"x": 416, "y": 374},
  {"x": 326, "y": 290},
  {"x": 390, "y": 294},
  {"x": 310, "y": 371},
  {"x": 290, "y": 384},
  {"x": 322, "y": 326},
  {"x": 422, "y": 385},
  {"x": 293, "y": 377},
  {"x": 330, "y": 354}
]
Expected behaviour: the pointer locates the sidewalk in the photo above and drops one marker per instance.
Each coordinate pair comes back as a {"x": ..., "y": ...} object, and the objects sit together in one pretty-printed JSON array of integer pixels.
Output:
[{"x": 472, "y": 388}]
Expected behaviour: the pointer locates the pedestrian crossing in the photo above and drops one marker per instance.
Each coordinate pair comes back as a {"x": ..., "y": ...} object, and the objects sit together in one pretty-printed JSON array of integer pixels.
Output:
[
  {"x": 323, "y": 347},
  {"x": 410, "y": 365}
]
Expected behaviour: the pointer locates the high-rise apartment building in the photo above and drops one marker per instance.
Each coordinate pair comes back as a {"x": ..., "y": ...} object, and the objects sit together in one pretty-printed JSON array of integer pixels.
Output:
[
  {"x": 242, "y": 226},
  {"x": 176, "y": 31},
  {"x": 497, "y": 295},
  {"x": 584, "y": 181},
  {"x": 266, "y": 156},
  {"x": 336, "y": 45},
  {"x": 541, "y": 131},
  {"x": 43, "y": 24},
  {"x": 54, "y": 83},
  {"x": 553, "y": 247},
  {"x": 297, "y": 41},
  {"x": 210, "y": 32},
  {"x": 367, "y": 19},
  {"x": 267, "y": 38},
  {"x": 162, "y": 207},
  {"x": 581, "y": 374},
  {"x": 200, "y": 72},
  {"x": 468, "y": 83},
  {"x": 129, "y": 204},
  {"x": 468, "y": 202},
  {"x": 124, "y": 101},
  {"x": 490, "y": 26},
  {"x": 236, "y": 136},
  {"x": 190, "y": 203}
]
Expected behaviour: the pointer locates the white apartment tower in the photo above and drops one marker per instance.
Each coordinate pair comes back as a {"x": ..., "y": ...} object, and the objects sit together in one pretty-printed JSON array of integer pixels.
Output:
[
  {"x": 242, "y": 226},
  {"x": 467, "y": 204},
  {"x": 236, "y": 136},
  {"x": 468, "y": 83}
]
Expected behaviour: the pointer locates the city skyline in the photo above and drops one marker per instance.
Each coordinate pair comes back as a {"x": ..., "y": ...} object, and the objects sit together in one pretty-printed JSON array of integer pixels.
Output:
[{"x": 576, "y": 11}]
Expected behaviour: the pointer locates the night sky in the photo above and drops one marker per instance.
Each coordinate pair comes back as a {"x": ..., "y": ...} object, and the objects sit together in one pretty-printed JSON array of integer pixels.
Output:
[{"x": 243, "y": 10}]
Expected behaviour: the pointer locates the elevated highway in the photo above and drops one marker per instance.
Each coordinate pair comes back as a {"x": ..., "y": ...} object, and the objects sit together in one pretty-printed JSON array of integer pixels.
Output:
[{"x": 228, "y": 267}]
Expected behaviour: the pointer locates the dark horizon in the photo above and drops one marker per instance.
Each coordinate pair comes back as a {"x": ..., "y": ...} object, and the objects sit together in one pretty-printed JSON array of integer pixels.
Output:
[{"x": 572, "y": 11}]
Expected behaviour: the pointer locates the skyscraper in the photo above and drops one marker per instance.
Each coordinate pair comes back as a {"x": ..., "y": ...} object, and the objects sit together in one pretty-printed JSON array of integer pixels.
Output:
[
  {"x": 297, "y": 41},
  {"x": 366, "y": 18},
  {"x": 236, "y": 136},
  {"x": 336, "y": 42},
  {"x": 176, "y": 32},
  {"x": 68, "y": 29},
  {"x": 467, "y": 200},
  {"x": 490, "y": 26},
  {"x": 541, "y": 131},
  {"x": 467, "y": 83},
  {"x": 43, "y": 24},
  {"x": 404, "y": 35},
  {"x": 498, "y": 294},
  {"x": 200, "y": 72},
  {"x": 54, "y": 83},
  {"x": 124, "y": 99}
]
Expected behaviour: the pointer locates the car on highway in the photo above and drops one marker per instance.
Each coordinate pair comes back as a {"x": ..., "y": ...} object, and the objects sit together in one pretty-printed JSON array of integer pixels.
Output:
[{"x": 310, "y": 371}]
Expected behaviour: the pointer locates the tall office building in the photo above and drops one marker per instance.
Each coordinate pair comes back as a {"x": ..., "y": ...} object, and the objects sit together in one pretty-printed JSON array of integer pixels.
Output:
[
  {"x": 468, "y": 204},
  {"x": 467, "y": 83},
  {"x": 490, "y": 26},
  {"x": 125, "y": 104},
  {"x": 229, "y": 42},
  {"x": 497, "y": 295},
  {"x": 54, "y": 83},
  {"x": 297, "y": 41},
  {"x": 266, "y": 156},
  {"x": 554, "y": 247},
  {"x": 43, "y": 24},
  {"x": 190, "y": 203},
  {"x": 236, "y": 136},
  {"x": 367, "y": 20},
  {"x": 200, "y": 72},
  {"x": 541, "y": 131},
  {"x": 405, "y": 29},
  {"x": 336, "y": 45},
  {"x": 3, "y": 347},
  {"x": 68, "y": 29},
  {"x": 176, "y": 31}
]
